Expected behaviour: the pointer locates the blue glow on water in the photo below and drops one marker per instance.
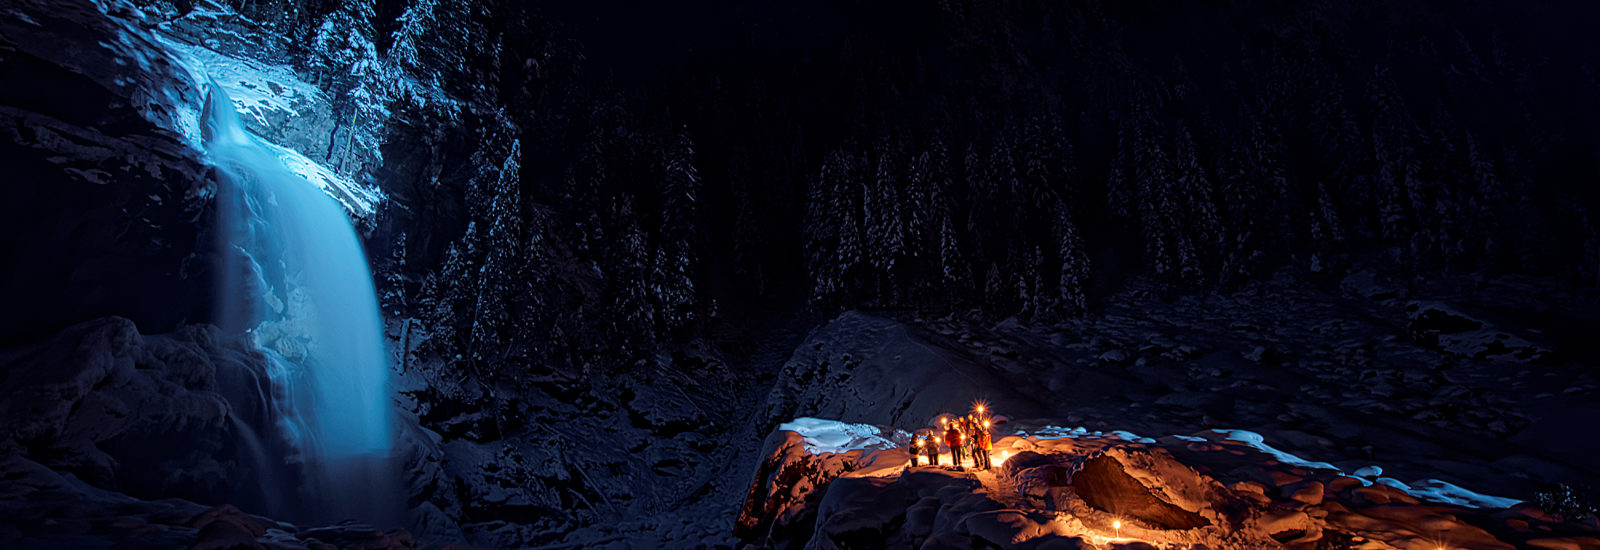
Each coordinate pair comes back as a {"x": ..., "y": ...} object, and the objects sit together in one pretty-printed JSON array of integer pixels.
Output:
[{"x": 301, "y": 285}]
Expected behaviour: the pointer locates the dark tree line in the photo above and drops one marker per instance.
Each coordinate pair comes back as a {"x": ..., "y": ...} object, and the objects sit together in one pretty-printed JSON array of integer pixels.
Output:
[
  {"x": 580, "y": 208},
  {"x": 1314, "y": 142}
]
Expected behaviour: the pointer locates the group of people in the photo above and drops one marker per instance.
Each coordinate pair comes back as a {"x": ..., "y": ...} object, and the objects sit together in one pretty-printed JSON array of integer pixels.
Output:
[{"x": 964, "y": 436}]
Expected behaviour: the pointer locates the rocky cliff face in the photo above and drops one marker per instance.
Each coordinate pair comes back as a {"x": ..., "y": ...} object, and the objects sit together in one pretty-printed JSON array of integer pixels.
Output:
[{"x": 107, "y": 204}]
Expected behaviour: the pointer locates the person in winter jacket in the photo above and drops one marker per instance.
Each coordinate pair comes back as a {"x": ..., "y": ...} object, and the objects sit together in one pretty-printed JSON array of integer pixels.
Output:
[
  {"x": 953, "y": 438},
  {"x": 984, "y": 445},
  {"x": 916, "y": 449}
]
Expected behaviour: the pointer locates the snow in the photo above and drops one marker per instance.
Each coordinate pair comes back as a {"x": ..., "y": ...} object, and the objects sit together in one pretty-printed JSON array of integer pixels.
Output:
[
  {"x": 1259, "y": 443},
  {"x": 832, "y": 436},
  {"x": 262, "y": 93},
  {"x": 1428, "y": 489},
  {"x": 1449, "y": 493},
  {"x": 361, "y": 200},
  {"x": 258, "y": 89}
]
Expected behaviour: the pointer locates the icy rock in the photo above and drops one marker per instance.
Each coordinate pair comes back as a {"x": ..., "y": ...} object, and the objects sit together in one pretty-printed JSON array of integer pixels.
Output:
[{"x": 1453, "y": 330}]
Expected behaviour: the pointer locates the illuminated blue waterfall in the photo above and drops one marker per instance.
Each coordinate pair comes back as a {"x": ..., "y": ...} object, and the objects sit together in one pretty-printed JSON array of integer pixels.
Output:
[{"x": 299, "y": 282}]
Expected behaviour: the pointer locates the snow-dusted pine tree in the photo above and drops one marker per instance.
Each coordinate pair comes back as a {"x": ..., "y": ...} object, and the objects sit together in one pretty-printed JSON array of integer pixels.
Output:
[{"x": 677, "y": 258}]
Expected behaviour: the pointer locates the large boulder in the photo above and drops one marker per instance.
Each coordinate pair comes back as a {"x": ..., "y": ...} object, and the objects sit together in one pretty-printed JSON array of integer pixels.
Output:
[{"x": 865, "y": 368}]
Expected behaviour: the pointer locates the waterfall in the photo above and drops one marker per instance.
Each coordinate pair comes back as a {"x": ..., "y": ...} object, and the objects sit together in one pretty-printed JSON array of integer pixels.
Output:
[{"x": 298, "y": 281}]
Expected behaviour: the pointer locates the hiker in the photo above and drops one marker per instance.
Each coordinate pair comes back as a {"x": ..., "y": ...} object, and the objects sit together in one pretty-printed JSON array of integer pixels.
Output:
[
  {"x": 953, "y": 439},
  {"x": 985, "y": 445},
  {"x": 916, "y": 449}
]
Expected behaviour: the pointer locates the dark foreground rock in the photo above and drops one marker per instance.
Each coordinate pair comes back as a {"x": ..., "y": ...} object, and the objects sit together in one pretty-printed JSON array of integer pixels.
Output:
[{"x": 112, "y": 439}]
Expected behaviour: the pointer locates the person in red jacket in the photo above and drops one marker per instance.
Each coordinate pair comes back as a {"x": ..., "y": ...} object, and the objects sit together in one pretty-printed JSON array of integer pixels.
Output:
[{"x": 953, "y": 439}]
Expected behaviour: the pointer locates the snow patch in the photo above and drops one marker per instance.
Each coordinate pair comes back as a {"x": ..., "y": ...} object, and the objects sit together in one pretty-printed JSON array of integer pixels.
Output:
[
  {"x": 258, "y": 89},
  {"x": 1427, "y": 489},
  {"x": 1259, "y": 443},
  {"x": 262, "y": 92},
  {"x": 833, "y": 436},
  {"x": 1449, "y": 493}
]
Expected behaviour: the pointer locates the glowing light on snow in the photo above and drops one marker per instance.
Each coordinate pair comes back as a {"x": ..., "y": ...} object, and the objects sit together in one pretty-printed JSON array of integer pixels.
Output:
[{"x": 1117, "y": 525}]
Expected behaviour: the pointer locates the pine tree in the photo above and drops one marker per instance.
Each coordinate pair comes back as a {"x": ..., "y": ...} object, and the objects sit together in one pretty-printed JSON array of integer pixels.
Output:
[
  {"x": 676, "y": 257},
  {"x": 823, "y": 226},
  {"x": 952, "y": 264},
  {"x": 1030, "y": 287},
  {"x": 1196, "y": 192},
  {"x": 418, "y": 19},
  {"x": 1072, "y": 297},
  {"x": 1394, "y": 153},
  {"x": 1267, "y": 161},
  {"x": 635, "y": 301},
  {"x": 1489, "y": 199},
  {"x": 491, "y": 318},
  {"x": 1241, "y": 244},
  {"x": 885, "y": 228}
]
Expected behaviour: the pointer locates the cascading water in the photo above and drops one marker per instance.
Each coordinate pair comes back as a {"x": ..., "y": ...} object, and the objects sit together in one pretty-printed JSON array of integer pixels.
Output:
[{"x": 300, "y": 284}]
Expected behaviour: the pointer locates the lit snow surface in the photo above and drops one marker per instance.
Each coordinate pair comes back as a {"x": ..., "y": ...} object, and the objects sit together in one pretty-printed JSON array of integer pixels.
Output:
[
  {"x": 832, "y": 436},
  {"x": 259, "y": 91},
  {"x": 1260, "y": 443}
]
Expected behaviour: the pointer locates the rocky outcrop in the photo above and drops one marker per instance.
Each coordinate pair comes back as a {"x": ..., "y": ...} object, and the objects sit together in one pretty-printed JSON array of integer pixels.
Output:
[
  {"x": 153, "y": 416},
  {"x": 106, "y": 202},
  {"x": 109, "y": 436},
  {"x": 1105, "y": 485},
  {"x": 1453, "y": 330},
  {"x": 781, "y": 506},
  {"x": 866, "y": 368}
]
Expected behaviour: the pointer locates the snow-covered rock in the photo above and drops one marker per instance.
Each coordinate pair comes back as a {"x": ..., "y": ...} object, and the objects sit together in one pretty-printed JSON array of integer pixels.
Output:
[
  {"x": 1074, "y": 488},
  {"x": 1455, "y": 331},
  {"x": 875, "y": 370}
]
